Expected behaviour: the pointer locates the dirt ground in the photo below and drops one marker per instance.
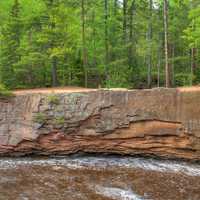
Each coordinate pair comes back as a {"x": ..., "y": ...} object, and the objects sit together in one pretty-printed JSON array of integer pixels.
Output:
[
  {"x": 52, "y": 90},
  {"x": 58, "y": 90},
  {"x": 80, "y": 89}
]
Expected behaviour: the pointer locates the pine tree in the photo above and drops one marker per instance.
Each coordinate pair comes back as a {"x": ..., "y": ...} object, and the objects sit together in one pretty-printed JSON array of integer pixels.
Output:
[{"x": 10, "y": 45}]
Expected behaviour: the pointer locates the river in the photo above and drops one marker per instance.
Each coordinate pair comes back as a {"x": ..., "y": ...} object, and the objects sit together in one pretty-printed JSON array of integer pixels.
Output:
[{"x": 98, "y": 178}]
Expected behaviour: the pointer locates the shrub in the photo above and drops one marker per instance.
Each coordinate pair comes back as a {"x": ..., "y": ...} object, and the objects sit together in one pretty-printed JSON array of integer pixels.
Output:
[
  {"x": 53, "y": 99},
  {"x": 39, "y": 118},
  {"x": 182, "y": 79},
  {"x": 4, "y": 92},
  {"x": 59, "y": 121}
]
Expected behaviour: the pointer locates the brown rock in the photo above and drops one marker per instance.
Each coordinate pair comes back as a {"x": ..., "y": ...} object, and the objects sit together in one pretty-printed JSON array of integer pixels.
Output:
[{"x": 159, "y": 122}]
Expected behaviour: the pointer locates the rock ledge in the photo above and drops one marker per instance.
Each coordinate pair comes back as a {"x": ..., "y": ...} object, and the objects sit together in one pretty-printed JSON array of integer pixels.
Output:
[{"x": 160, "y": 122}]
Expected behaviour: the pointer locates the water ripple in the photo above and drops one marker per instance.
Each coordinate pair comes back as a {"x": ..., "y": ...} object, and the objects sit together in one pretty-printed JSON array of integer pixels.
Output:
[
  {"x": 99, "y": 163},
  {"x": 117, "y": 193}
]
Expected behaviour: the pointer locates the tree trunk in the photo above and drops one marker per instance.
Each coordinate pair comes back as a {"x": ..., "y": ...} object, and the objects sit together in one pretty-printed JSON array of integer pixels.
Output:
[
  {"x": 131, "y": 52},
  {"x": 115, "y": 7},
  {"x": 54, "y": 72},
  {"x": 98, "y": 81},
  {"x": 106, "y": 42},
  {"x": 159, "y": 59},
  {"x": 193, "y": 63},
  {"x": 167, "y": 69},
  {"x": 173, "y": 65},
  {"x": 84, "y": 50},
  {"x": 193, "y": 55},
  {"x": 149, "y": 36},
  {"x": 159, "y": 66},
  {"x": 54, "y": 59},
  {"x": 125, "y": 20}
]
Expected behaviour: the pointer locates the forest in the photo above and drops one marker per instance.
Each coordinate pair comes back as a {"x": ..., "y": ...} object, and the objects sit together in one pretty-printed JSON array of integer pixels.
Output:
[{"x": 99, "y": 43}]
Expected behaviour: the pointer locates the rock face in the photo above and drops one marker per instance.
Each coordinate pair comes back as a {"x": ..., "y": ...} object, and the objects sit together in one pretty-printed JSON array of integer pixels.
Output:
[{"x": 158, "y": 122}]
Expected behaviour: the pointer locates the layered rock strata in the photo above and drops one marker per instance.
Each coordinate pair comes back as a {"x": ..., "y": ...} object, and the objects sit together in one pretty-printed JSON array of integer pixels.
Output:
[{"x": 157, "y": 122}]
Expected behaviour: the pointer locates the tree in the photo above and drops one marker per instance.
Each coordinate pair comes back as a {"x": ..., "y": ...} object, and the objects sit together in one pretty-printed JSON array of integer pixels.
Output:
[
  {"x": 149, "y": 36},
  {"x": 167, "y": 69},
  {"x": 106, "y": 43},
  {"x": 131, "y": 50},
  {"x": 117, "y": 43},
  {"x": 84, "y": 42},
  {"x": 125, "y": 4},
  {"x": 11, "y": 33},
  {"x": 192, "y": 37}
]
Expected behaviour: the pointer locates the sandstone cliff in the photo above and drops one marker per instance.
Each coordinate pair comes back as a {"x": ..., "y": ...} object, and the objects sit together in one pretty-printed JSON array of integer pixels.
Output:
[{"x": 159, "y": 122}]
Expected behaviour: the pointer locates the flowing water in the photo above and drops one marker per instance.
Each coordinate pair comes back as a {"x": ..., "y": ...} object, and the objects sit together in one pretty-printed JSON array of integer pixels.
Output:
[{"x": 98, "y": 178}]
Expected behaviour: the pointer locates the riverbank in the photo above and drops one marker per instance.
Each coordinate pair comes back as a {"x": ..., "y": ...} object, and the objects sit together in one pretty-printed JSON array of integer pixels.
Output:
[{"x": 159, "y": 122}]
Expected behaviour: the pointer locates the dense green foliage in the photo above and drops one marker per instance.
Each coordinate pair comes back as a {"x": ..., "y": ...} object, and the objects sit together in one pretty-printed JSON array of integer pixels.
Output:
[
  {"x": 107, "y": 43},
  {"x": 4, "y": 92}
]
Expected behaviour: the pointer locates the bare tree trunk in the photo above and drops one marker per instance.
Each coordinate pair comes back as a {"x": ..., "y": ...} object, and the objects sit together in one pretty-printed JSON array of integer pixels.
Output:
[
  {"x": 54, "y": 59},
  {"x": 94, "y": 39},
  {"x": 159, "y": 66},
  {"x": 191, "y": 67},
  {"x": 194, "y": 66},
  {"x": 115, "y": 7},
  {"x": 131, "y": 52},
  {"x": 193, "y": 63},
  {"x": 159, "y": 59},
  {"x": 84, "y": 42},
  {"x": 167, "y": 69},
  {"x": 173, "y": 65},
  {"x": 113, "y": 54},
  {"x": 149, "y": 36},
  {"x": 98, "y": 81},
  {"x": 125, "y": 20},
  {"x": 30, "y": 73},
  {"x": 106, "y": 41},
  {"x": 54, "y": 72}
]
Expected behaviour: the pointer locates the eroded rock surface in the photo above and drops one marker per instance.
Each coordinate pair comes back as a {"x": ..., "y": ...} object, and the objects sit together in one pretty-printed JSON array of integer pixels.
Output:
[{"x": 160, "y": 122}]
